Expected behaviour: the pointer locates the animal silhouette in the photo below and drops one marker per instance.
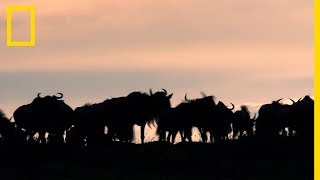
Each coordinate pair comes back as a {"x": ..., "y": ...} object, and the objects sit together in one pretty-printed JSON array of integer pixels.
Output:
[
  {"x": 45, "y": 114},
  {"x": 242, "y": 122},
  {"x": 120, "y": 114}
]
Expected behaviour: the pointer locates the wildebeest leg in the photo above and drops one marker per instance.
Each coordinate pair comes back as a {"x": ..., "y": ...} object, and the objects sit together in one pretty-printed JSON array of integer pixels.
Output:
[
  {"x": 290, "y": 131},
  {"x": 226, "y": 137},
  {"x": 30, "y": 137},
  {"x": 142, "y": 133},
  {"x": 42, "y": 138},
  {"x": 211, "y": 137},
  {"x": 235, "y": 133},
  {"x": 162, "y": 136},
  {"x": 169, "y": 136},
  {"x": 216, "y": 138},
  {"x": 112, "y": 133},
  {"x": 60, "y": 139},
  {"x": 182, "y": 134},
  {"x": 188, "y": 134},
  {"x": 249, "y": 132},
  {"x": 203, "y": 134},
  {"x": 174, "y": 136},
  {"x": 241, "y": 133}
]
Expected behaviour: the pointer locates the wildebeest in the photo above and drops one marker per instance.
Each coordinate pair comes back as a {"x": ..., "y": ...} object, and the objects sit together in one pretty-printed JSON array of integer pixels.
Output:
[
  {"x": 182, "y": 118},
  {"x": 202, "y": 113},
  {"x": 286, "y": 119},
  {"x": 271, "y": 119},
  {"x": 303, "y": 118},
  {"x": 89, "y": 124},
  {"x": 121, "y": 113},
  {"x": 7, "y": 129},
  {"x": 242, "y": 122},
  {"x": 45, "y": 114},
  {"x": 146, "y": 108},
  {"x": 219, "y": 124},
  {"x": 92, "y": 119}
]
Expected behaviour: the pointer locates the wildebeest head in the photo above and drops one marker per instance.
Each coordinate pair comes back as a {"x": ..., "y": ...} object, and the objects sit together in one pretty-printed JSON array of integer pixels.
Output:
[
  {"x": 303, "y": 117},
  {"x": 6, "y": 127},
  {"x": 223, "y": 107},
  {"x": 2, "y": 116},
  {"x": 161, "y": 100},
  {"x": 305, "y": 105},
  {"x": 225, "y": 113},
  {"x": 47, "y": 100},
  {"x": 307, "y": 99}
]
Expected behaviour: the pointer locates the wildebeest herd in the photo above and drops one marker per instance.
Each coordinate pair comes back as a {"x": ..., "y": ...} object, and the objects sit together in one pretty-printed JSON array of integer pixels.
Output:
[{"x": 49, "y": 120}]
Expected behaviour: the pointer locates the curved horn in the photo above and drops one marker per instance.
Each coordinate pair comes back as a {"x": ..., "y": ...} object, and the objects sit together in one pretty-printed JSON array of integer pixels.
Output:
[
  {"x": 185, "y": 97},
  {"x": 151, "y": 92},
  {"x": 232, "y": 106},
  {"x": 203, "y": 94},
  {"x": 292, "y": 101},
  {"x": 279, "y": 100},
  {"x": 61, "y": 96},
  {"x": 165, "y": 91},
  {"x": 39, "y": 95}
]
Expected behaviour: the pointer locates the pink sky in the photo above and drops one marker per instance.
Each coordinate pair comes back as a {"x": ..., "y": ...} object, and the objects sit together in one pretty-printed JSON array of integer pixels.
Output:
[
  {"x": 245, "y": 51},
  {"x": 109, "y": 35}
]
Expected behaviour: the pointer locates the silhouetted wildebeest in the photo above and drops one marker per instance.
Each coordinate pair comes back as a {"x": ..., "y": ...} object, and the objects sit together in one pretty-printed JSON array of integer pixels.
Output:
[
  {"x": 202, "y": 113},
  {"x": 145, "y": 109},
  {"x": 286, "y": 118},
  {"x": 276, "y": 118},
  {"x": 90, "y": 122},
  {"x": 242, "y": 122},
  {"x": 7, "y": 129},
  {"x": 121, "y": 113},
  {"x": 45, "y": 114},
  {"x": 273, "y": 118},
  {"x": 219, "y": 124},
  {"x": 303, "y": 118},
  {"x": 182, "y": 118}
]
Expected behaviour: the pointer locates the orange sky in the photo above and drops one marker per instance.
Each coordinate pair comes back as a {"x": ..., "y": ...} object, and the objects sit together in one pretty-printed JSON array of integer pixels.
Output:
[{"x": 245, "y": 51}]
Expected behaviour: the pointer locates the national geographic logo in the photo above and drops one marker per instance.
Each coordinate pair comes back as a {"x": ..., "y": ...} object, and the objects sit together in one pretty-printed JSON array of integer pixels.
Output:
[{"x": 32, "y": 40}]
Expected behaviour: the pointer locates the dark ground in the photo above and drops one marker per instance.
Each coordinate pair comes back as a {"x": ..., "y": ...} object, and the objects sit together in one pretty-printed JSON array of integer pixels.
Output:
[{"x": 246, "y": 159}]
